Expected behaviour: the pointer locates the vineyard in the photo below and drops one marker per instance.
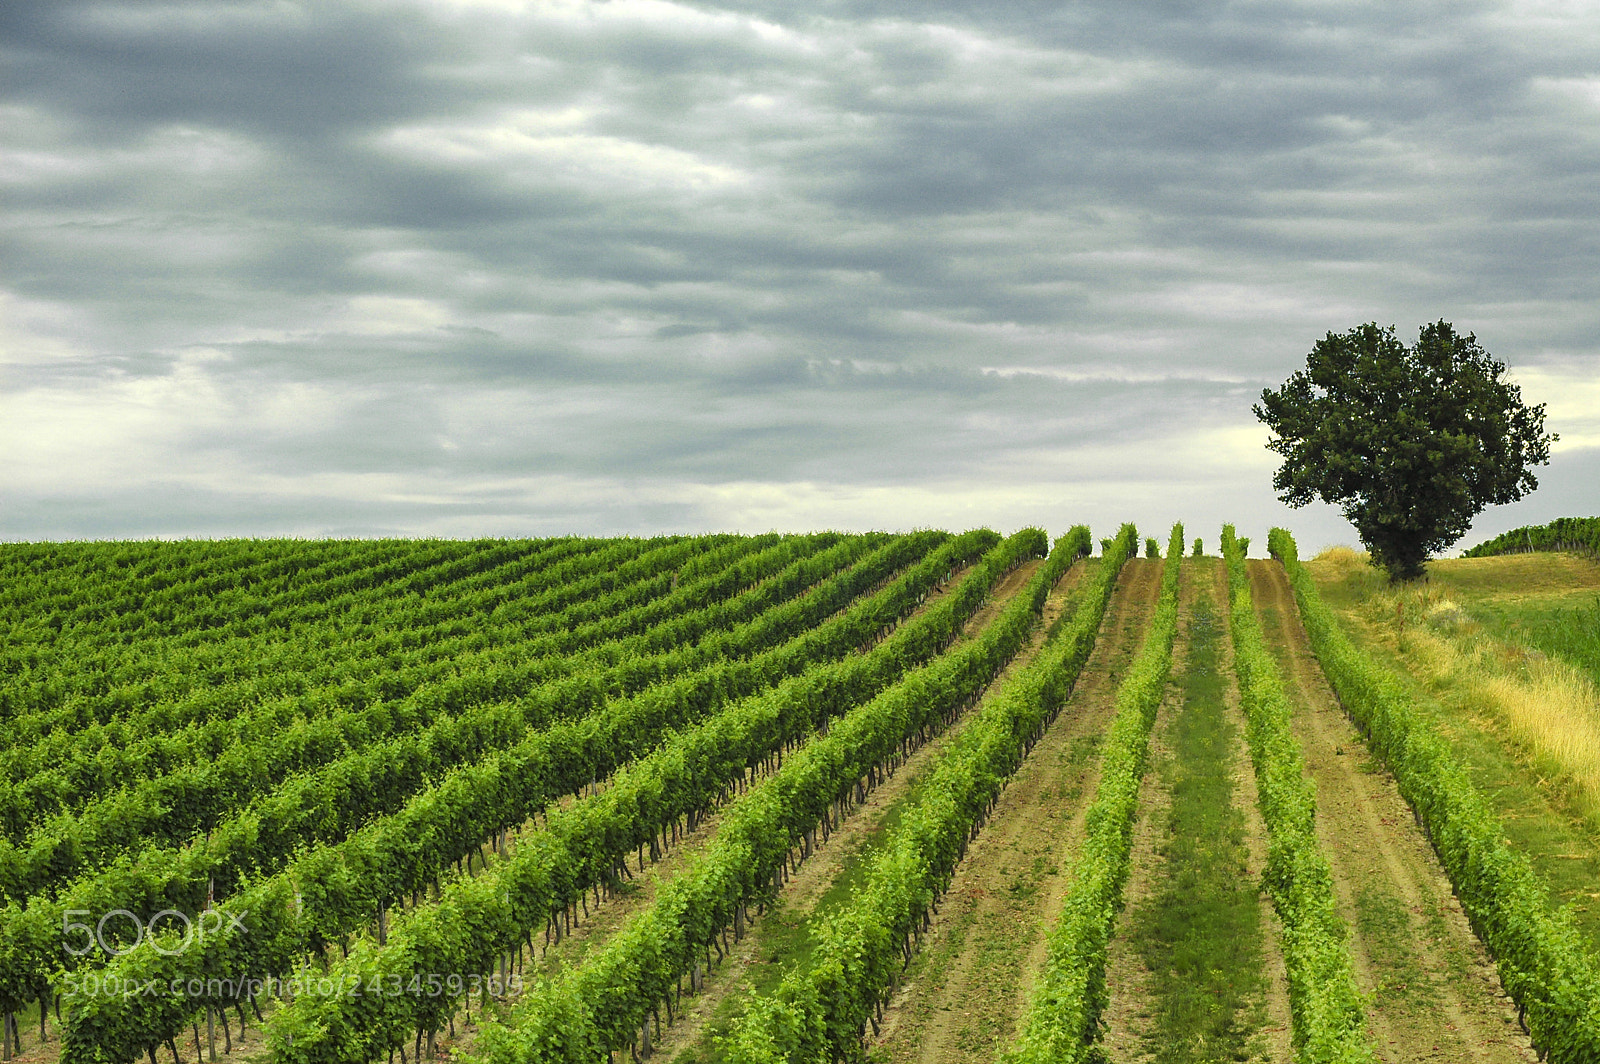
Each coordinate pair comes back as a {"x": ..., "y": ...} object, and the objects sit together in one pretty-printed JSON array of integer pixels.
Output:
[{"x": 919, "y": 797}]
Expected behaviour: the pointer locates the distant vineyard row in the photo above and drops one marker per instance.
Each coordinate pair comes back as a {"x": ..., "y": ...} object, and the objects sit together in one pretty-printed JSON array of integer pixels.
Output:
[{"x": 1580, "y": 534}]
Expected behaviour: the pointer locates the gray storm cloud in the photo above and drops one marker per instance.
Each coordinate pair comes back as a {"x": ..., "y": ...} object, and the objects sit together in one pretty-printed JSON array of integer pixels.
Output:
[{"x": 497, "y": 268}]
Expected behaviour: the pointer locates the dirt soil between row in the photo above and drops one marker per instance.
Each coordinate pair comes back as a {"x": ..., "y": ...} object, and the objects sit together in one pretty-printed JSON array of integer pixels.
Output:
[
  {"x": 1433, "y": 993},
  {"x": 966, "y": 992},
  {"x": 1129, "y": 1020},
  {"x": 690, "y": 1036}
]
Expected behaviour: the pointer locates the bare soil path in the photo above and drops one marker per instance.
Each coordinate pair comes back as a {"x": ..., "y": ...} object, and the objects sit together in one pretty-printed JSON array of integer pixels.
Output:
[
  {"x": 1433, "y": 991},
  {"x": 1171, "y": 909},
  {"x": 966, "y": 991}
]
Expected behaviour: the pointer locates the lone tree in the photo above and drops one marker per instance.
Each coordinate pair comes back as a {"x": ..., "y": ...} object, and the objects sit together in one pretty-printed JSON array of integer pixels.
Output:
[{"x": 1411, "y": 443}]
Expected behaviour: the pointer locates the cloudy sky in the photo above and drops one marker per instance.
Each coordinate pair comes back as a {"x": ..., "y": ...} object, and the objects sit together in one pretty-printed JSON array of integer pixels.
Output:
[{"x": 489, "y": 267}]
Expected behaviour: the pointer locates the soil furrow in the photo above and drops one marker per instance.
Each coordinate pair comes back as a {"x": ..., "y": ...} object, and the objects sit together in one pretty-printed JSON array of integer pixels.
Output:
[
  {"x": 756, "y": 962},
  {"x": 1171, "y": 909},
  {"x": 967, "y": 990},
  {"x": 1433, "y": 991}
]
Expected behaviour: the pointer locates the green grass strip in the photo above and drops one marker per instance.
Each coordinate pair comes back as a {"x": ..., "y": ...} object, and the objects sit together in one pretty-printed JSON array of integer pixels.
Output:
[
  {"x": 1199, "y": 931},
  {"x": 1543, "y": 962},
  {"x": 1063, "y": 1018},
  {"x": 1325, "y": 1003}
]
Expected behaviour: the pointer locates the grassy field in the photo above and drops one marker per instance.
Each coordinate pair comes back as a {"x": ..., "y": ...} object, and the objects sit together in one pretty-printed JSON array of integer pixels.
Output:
[{"x": 1505, "y": 653}]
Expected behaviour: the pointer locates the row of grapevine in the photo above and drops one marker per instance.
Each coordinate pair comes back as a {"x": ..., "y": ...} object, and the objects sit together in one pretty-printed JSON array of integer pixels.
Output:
[
  {"x": 583, "y": 848},
  {"x": 1543, "y": 962},
  {"x": 1578, "y": 534},
  {"x": 55, "y": 589},
  {"x": 332, "y": 890},
  {"x": 38, "y": 641},
  {"x": 820, "y": 1012},
  {"x": 1328, "y": 1025},
  {"x": 273, "y": 596},
  {"x": 510, "y": 784},
  {"x": 102, "y": 621},
  {"x": 1063, "y": 1017},
  {"x": 323, "y": 671},
  {"x": 170, "y": 806},
  {"x": 364, "y": 642},
  {"x": 602, "y": 1004},
  {"x": 150, "y": 683},
  {"x": 367, "y": 634}
]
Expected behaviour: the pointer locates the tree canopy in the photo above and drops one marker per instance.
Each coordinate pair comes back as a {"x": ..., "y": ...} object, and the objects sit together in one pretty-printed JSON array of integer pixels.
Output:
[{"x": 1410, "y": 442}]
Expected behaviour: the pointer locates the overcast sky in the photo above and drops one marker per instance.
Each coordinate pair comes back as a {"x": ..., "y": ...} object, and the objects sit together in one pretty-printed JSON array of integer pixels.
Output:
[{"x": 485, "y": 267}]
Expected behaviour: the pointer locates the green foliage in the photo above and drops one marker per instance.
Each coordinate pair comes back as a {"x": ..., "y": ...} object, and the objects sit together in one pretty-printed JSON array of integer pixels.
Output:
[
  {"x": 1200, "y": 933},
  {"x": 1063, "y": 1018},
  {"x": 1410, "y": 442},
  {"x": 344, "y": 885},
  {"x": 580, "y": 847},
  {"x": 1323, "y": 996},
  {"x": 96, "y": 655},
  {"x": 458, "y": 769},
  {"x": 175, "y": 776},
  {"x": 1152, "y": 549},
  {"x": 1543, "y": 962},
  {"x": 1578, "y": 534},
  {"x": 617, "y": 987},
  {"x": 1199, "y": 548},
  {"x": 819, "y": 1013}
]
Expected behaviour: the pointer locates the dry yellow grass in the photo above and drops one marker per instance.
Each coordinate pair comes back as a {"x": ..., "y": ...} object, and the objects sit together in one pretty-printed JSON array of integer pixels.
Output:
[
  {"x": 1545, "y": 706},
  {"x": 1555, "y": 711},
  {"x": 1343, "y": 558}
]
